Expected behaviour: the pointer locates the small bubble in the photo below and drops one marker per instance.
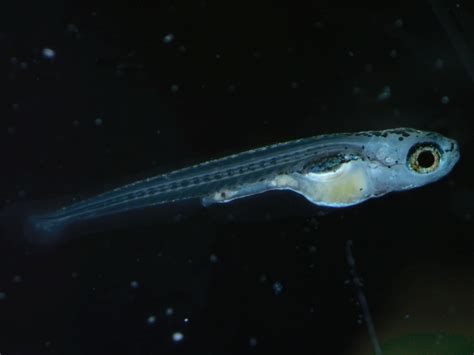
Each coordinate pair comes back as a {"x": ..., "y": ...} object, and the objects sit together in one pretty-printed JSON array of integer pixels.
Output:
[
  {"x": 99, "y": 121},
  {"x": 151, "y": 320},
  {"x": 48, "y": 53},
  {"x": 134, "y": 284},
  {"x": 168, "y": 38},
  {"x": 253, "y": 342},
  {"x": 277, "y": 288},
  {"x": 177, "y": 337},
  {"x": 445, "y": 100}
]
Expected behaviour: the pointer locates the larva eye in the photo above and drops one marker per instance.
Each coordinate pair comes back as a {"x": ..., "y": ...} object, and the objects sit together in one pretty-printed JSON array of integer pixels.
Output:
[{"x": 424, "y": 158}]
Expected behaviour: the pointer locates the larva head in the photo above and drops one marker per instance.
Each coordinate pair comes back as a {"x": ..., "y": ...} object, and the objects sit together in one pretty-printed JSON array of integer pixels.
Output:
[{"x": 406, "y": 158}]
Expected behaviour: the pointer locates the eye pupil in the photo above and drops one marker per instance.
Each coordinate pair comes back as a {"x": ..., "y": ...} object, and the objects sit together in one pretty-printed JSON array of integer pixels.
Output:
[{"x": 426, "y": 159}]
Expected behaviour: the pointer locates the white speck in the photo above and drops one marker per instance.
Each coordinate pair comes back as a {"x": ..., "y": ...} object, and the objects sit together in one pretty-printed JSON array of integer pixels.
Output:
[
  {"x": 385, "y": 93},
  {"x": 151, "y": 320},
  {"x": 99, "y": 121},
  {"x": 294, "y": 85},
  {"x": 174, "y": 88},
  {"x": 168, "y": 38},
  {"x": 134, "y": 284},
  {"x": 17, "y": 279},
  {"x": 406, "y": 316},
  {"x": 351, "y": 53},
  {"x": 186, "y": 320},
  {"x": 253, "y": 342},
  {"x": 177, "y": 337},
  {"x": 218, "y": 56},
  {"x": 3, "y": 296},
  {"x": 74, "y": 275},
  {"x": 213, "y": 258},
  {"x": 445, "y": 100},
  {"x": 393, "y": 53},
  {"x": 48, "y": 53},
  {"x": 169, "y": 311},
  {"x": 277, "y": 288},
  {"x": 398, "y": 22}
]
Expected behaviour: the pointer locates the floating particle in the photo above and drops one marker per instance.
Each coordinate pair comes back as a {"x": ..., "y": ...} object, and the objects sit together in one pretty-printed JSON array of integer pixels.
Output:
[
  {"x": 407, "y": 316},
  {"x": 24, "y": 65},
  {"x": 213, "y": 258},
  {"x": 253, "y": 342},
  {"x": 438, "y": 64},
  {"x": 169, "y": 311},
  {"x": 177, "y": 337},
  {"x": 186, "y": 320},
  {"x": 11, "y": 130},
  {"x": 445, "y": 100},
  {"x": 277, "y": 288},
  {"x": 319, "y": 24},
  {"x": 98, "y": 121},
  {"x": 151, "y": 320},
  {"x": 393, "y": 53},
  {"x": 14, "y": 60},
  {"x": 294, "y": 85},
  {"x": 356, "y": 90},
  {"x": 134, "y": 284},
  {"x": 398, "y": 23},
  {"x": 75, "y": 123},
  {"x": 174, "y": 88},
  {"x": 48, "y": 53},
  {"x": 3, "y": 296},
  {"x": 17, "y": 279},
  {"x": 168, "y": 38},
  {"x": 72, "y": 28},
  {"x": 74, "y": 275},
  {"x": 385, "y": 93},
  {"x": 351, "y": 53}
]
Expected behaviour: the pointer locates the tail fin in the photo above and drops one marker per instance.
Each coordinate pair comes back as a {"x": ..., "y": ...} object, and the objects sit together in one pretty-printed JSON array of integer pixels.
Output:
[{"x": 23, "y": 225}]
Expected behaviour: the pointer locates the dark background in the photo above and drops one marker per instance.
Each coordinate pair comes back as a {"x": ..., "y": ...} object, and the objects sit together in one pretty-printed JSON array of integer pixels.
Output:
[{"x": 266, "y": 274}]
